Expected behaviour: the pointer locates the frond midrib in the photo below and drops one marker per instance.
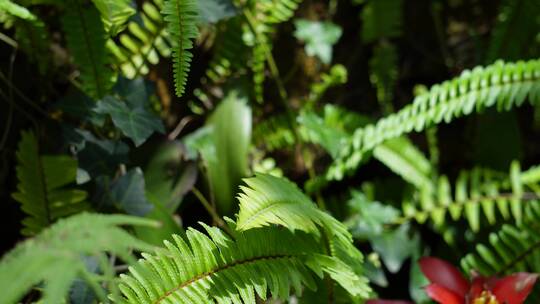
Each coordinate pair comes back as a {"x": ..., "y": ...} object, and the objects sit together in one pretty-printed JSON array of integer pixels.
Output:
[{"x": 207, "y": 274}]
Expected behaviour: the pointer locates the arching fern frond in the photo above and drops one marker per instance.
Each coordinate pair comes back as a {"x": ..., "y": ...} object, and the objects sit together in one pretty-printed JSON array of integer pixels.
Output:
[
  {"x": 114, "y": 14},
  {"x": 505, "y": 85},
  {"x": 142, "y": 43},
  {"x": 181, "y": 18},
  {"x": 510, "y": 250},
  {"x": 41, "y": 189},
  {"x": 85, "y": 35},
  {"x": 54, "y": 257},
  {"x": 476, "y": 193},
  {"x": 270, "y": 200},
  {"x": 218, "y": 268}
]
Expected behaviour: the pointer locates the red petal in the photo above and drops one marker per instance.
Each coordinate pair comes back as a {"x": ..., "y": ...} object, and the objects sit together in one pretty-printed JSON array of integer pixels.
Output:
[
  {"x": 378, "y": 301},
  {"x": 515, "y": 288},
  {"x": 444, "y": 274},
  {"x": 478, "y": 285},
  {"x": 443, "y": 295}
]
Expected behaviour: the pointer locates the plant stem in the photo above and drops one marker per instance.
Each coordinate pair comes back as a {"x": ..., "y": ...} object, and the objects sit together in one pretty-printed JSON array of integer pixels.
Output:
[{"x": 212, "y": 211}]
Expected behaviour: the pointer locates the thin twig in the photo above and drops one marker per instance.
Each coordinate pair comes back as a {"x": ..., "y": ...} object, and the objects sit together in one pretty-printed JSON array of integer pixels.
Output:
[{"x": 212, "y": 211}]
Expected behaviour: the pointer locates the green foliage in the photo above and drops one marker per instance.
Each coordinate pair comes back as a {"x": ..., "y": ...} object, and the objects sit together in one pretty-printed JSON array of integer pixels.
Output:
[
  {"x": 383, "y": 73},
  {"x": 475, "y": 193},
  {"x": 114, "y": 14},
  {"x": 381, "y": 19},
  {"x": 16, "y": 10},
  {"x": 212, "y": 11},
  {"x": 41, "y": 189},
  {"x": 133, "y": 119},
  {"x": 504, "y": 85},
  {"x": 85, "y": 35},
  {"x": 181, "y": 18},
  {"x": 509, "y": 43},
  {"x": 319, "y": 37},
  {"x": 142, "y": 43},
  {"x": 55, "y": 256},
  {"x": 224, "y": 147},
  {"x": 233, "y": 268}
]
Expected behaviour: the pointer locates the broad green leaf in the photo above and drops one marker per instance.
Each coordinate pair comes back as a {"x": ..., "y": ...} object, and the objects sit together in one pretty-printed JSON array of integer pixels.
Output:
[
  {"x": 114, "y": 14},
  {"x": 231, "y": 135},
  {"x": 319, "y": 37},
  {"x": 212, "y": 11}
]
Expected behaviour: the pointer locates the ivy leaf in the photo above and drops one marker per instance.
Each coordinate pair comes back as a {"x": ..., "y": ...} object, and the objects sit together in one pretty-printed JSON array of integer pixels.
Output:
[
  {"x": 96, "y": 156},
  {"x": 212, "y": 11},
  {"x": 319, "y": 37},
  {"x": 126, "y": 193},
  {"x": 395, "y": 247},
  {"x": 135, "y": 122}
]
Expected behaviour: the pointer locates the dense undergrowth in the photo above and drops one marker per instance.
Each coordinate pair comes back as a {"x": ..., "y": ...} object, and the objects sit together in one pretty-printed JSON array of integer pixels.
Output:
[{"x": 265, "y": 151}]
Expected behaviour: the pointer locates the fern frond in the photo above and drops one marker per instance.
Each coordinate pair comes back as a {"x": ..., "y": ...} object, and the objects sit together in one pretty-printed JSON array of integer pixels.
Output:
[
  {"x": 336, "y": 76},
  {"x": 33, "y": 39},
  {"x": 512, "y": 249},
  {"x": 381, "y": 19},
  {"x": 13, "y": 9},
  {"x": 218, "y": 268},
  {"x": 504, "y": 85},
  {"x": 54, "y": 257},
  {"x": 142, "y": 43},
  {"x": 402, "y": 157},
  {"x": 181, "y": 18},
  {"x": 383, "y": 73},
  {"x": 476, "y": 193},
  {"x": 85, "y": 35},
  {"x": 274, "y": 133},
  {"x": 231, "y": 53},
  {"x": 272, "y": 200},
  {"x": 41, "y": 189}
]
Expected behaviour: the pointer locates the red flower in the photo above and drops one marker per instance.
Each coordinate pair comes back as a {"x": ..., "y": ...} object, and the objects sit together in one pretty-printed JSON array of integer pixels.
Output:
[{"x": 448, "y": 286}]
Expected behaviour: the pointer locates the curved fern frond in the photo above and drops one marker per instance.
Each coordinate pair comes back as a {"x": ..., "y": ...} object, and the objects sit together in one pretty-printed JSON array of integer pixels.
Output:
[
  {"x": 218, "y": 268},
  {"x": 85, "y": 35},
  {"x": 510, "y": 250},
  {"x": 475, "y": 193},
  {"x": 181, "y": 18},
  {"x": 41, "y": 189},
  {"x": 142, "y": 43},
  {"x": 54, "y": 257},
  {"x": 270, "y": 200},
  {"x": 505, "y": 85},
  {"x": 274, "y": 133}
]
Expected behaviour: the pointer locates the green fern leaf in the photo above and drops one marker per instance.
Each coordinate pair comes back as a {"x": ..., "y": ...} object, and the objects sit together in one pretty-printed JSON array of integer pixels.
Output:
[
  {"x": 218, "y": 268},
  {"x": 272, "y": 200},
  {"x": 16, "y": 10},
  {"x": 181, "y": 17},
  {"x": 85, "y": 35},
  {"x": 41, "y": 190},
  {"x": 142, "y": 44},
  {"x": 504, "y": 85},
  {"x": 381, "y": 19},
  {"x": 54, "y": 257},
  {"x": 114, "y": 14},
  {"x": 476, "y": 193}
]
